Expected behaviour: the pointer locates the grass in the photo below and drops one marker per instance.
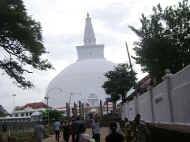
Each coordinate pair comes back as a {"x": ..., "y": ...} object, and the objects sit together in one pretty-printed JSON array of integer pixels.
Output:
[{"x": 19, "y": 137}]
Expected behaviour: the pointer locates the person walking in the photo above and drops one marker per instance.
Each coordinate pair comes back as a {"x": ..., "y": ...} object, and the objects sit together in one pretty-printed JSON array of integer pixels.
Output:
[
  {"x": 39, "y": 132},
  {"x": 56, "y": 128},
  {"x": 142, "y": 133},
  {"x": 96, "y": 130},
  {"x": 66, "y": 131},
  {"x": 84, "y": 137},
  {"x": 119, "y": 130},
  {"x": 76, "y": 129},
  {"x": 114, "y": 136}
]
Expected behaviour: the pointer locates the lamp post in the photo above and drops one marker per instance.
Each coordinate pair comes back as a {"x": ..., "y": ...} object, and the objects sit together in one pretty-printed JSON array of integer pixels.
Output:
[
  {"x": 47, "y": 100},
  {"x": 14, "y": 95}
]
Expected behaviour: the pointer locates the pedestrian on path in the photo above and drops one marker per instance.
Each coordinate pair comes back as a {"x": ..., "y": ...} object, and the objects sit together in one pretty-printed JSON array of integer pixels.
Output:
[
  {"x": 96, "y": 130},
  {"x": 142, "y": 133},
  {"x": 76, "y": 123},
  {"x": 119, "y": 130},
  {"x": 56, "y": 128},
  {"x": 84, "y": 137},
  {"x": 114, "y": 136},
  {"x": 66, "y": 131},
  {"x": 39, "y": 132}
]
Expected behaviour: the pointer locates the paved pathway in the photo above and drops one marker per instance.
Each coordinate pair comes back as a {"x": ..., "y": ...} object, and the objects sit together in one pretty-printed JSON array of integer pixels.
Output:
[{"x": 104, "y": 133}]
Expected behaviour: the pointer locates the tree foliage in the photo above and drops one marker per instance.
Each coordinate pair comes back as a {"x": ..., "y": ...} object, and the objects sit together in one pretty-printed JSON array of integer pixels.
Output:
[
  {"x": 164, "y": 39},
  {"x": 21, "y": 44},
  {"x": 119, "y": 82},
  {"x": 53, "y": 115},
  {"x": 3, "y": 112}
]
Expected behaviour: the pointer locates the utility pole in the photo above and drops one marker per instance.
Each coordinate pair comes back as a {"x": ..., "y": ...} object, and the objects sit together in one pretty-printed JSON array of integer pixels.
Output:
[
  {"x": 47, "y": 99},
  {"x": 14, "y": 95},
  {"x": 129, "y": 57},
  {"x": 101, "y": 110}
]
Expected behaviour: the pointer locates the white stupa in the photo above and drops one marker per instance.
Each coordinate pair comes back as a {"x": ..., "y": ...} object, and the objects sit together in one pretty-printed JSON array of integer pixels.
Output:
[{"x": 83, "y": 80}]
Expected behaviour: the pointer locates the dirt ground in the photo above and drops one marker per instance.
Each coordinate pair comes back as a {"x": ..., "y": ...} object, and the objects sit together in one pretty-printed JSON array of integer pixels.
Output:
[{"x": 104, "y": 132}]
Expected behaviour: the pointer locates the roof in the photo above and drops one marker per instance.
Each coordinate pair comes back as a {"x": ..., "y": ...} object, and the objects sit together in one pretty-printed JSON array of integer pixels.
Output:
[
  {"x": 35, "y": 105},
  {"x": 142, "y": 86},
  {"x": 145, "y": 82}
]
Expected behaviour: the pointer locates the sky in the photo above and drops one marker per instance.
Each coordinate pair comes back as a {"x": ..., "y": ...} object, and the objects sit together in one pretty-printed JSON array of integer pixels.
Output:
[{"x": 62, "y": 24}]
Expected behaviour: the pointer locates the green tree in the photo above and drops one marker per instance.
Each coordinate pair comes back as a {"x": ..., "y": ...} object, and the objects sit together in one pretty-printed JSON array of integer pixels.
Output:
[
  {"x": 21, "y": 44},
  {"x": 3, "y": 112},
  {"x": 119, "y": 82},
  {"x": 164, "y": 40},
  {"x": 53, "y": 115}
]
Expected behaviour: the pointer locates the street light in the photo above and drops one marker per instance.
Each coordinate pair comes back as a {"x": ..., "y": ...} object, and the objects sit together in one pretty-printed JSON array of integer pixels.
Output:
[
  {"x": 47, "y": 99},
  {"x": 14, "y": 95}
]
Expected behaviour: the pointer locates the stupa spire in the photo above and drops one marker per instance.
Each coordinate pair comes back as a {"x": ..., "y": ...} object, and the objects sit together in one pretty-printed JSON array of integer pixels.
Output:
[{"x": 89, "y": 36}]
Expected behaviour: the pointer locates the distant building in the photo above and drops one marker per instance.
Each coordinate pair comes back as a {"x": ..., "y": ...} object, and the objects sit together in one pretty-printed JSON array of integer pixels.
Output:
[
  {"x": 29, "y": 109},
  {"x": 107, "y": 106}
]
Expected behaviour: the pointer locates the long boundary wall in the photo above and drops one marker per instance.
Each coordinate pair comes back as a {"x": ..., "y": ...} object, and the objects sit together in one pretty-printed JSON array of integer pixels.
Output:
[{"x": 168, "y": 102}]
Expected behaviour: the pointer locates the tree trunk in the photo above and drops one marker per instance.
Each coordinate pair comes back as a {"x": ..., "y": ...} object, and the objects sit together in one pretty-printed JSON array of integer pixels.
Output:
[
  {"x": 114, "y": 107},
  {"x": 101, "y": 109},
  {"x": 107, "y": 106},
  {"x": 123, "y": 97}
]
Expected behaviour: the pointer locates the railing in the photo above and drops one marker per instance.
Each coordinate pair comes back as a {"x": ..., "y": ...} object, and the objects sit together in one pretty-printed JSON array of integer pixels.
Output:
[{"x": 16, "y": 125}]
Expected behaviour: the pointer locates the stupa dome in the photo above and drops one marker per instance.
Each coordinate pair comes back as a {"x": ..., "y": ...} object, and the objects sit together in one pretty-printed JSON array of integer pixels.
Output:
[
  {"x": 82, "y": 80},
  {"x": 79, "y": 81}
]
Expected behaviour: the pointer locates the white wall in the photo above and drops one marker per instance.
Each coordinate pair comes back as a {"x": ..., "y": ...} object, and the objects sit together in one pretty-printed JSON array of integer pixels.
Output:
[
  {"x": 168, "y": 102},
  {"x": 161, "y": 103},
  {"x": 131, "y": 110},
  {"x": 90, "y": 52},
  {"x": 181, "y": 96},
  {"x": 144, "y": 106}
]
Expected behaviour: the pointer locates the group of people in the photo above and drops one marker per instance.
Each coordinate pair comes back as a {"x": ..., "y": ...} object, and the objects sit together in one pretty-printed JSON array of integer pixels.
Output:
[
  {"x": 136, "y": 130},
  {"x": 120, "y": 131},
  {"x": 76, "y": 129},
  {"x": 129, "y": 131},
  {"x": 63, "y": 128}
]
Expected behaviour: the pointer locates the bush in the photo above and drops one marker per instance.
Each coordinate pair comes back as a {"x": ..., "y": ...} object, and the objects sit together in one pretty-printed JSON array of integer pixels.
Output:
[
  {"x": 107, "y": 119},
  {"x": 24, "y": 137},
  {"x": 21, "y": 137}
]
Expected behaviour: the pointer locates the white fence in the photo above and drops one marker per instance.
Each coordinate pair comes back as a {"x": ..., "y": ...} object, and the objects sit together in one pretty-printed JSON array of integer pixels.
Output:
[{"x": 168, "y": 102}]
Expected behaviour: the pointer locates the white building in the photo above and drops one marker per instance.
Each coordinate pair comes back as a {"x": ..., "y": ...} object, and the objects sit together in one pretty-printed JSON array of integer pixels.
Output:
[
  {"x": 29, "y": 109},
  {"x": 82, "y": 80}
]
